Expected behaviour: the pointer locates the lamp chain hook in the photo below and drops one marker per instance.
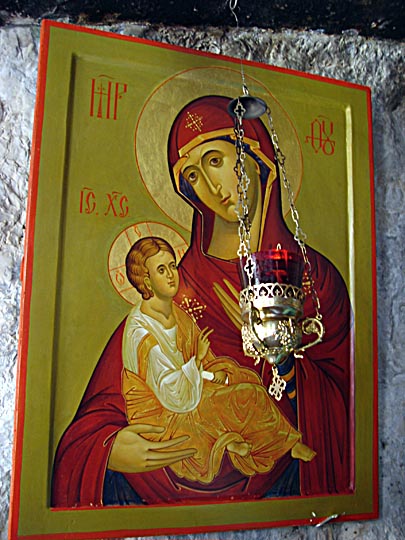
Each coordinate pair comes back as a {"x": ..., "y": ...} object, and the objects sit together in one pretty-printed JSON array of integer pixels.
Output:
[{"x": 232, "y": 6}]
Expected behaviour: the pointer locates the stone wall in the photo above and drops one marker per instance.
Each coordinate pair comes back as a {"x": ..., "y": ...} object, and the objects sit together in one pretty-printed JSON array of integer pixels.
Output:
[{"x": 378, "y": 64}]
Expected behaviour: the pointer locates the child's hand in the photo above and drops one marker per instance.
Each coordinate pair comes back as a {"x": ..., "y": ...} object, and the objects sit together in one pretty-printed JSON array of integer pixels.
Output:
[
  {"x": 220, "y": 377},
  {"x": 203, "y": 344}
]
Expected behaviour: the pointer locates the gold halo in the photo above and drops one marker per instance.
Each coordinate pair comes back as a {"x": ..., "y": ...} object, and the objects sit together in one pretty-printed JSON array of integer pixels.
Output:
[
  {"x": 162, "y": 107},
  {"x": 123, "y": 243}
]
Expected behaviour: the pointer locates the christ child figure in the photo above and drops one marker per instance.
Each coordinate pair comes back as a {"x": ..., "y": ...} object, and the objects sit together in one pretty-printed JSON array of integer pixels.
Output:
[{"x": 171, "y": 378}]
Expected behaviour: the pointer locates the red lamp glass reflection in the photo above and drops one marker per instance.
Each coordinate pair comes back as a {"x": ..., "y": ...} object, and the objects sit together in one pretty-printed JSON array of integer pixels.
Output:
[{"x": 276, "y": 266}]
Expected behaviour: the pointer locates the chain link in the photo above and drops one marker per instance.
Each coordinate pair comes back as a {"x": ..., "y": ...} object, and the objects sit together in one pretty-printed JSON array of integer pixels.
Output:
[{"x": 242, "y": 207}]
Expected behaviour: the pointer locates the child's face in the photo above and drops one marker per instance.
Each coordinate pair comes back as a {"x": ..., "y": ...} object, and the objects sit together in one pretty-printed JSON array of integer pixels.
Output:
[{"x": 163, "y": 276}]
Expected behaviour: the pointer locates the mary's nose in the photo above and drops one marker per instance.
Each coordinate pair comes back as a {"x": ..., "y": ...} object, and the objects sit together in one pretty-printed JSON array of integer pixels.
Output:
[{"x": 213, "y": 185}]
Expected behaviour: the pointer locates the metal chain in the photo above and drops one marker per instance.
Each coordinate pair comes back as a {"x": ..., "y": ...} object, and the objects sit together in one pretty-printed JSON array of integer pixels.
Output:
[
  {"x": 242, "y": 207},
  {"x": 299, "y": 235}
]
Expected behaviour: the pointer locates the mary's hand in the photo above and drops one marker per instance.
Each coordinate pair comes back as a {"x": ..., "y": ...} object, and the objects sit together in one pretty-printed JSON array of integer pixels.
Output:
[{"x": 132, "y": 453}]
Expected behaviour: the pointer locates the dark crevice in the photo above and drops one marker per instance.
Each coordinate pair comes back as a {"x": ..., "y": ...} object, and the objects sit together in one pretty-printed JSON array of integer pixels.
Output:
[{"x": 370, "y": 18}]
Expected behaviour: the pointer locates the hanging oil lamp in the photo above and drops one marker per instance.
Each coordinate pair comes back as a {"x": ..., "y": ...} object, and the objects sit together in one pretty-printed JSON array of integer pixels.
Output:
[{"x": 272, "y": 297}]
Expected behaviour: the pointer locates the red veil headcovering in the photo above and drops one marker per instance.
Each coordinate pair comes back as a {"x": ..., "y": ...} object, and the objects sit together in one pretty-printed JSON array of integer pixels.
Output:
[{"x": 205, "y": 119}]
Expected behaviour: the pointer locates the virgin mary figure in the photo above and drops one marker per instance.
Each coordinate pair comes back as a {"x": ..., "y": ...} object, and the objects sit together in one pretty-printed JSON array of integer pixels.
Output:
[{"x": 318, "y": 399}]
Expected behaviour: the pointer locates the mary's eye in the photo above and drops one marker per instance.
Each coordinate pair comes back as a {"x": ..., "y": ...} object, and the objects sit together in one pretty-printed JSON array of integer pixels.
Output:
[
  {"x": 192, "y": 177},
  {"x": 215, "y": 161}
]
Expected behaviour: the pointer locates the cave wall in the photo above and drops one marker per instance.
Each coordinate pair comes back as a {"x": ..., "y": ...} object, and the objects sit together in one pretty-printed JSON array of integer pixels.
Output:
[{"x": 348, "y": 56}]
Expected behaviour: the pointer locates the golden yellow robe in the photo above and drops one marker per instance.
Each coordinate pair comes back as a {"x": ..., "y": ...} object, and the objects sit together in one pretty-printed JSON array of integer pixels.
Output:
[{"x": 239, "y": 411}]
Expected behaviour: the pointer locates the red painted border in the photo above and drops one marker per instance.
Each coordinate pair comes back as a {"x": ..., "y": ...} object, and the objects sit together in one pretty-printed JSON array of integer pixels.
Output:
[{"x": 27, "y": 290}]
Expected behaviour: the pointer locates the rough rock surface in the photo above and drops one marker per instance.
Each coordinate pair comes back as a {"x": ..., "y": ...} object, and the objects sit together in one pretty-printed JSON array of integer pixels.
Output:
[{"x": 378, "y": 64}]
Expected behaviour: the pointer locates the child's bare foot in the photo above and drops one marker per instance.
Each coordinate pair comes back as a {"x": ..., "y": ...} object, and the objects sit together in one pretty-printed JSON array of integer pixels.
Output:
[
  {"x": 241, "y": 448},
  {"x": 302, "y": 451}
]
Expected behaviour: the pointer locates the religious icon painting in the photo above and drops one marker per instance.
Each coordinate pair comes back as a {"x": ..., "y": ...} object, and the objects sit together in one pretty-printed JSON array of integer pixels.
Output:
[{"x": 141, "y": 410}]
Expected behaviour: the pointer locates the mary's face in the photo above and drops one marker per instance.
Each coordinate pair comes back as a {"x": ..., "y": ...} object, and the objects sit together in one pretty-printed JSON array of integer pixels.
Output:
[{"x": 209, "y": 169}]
